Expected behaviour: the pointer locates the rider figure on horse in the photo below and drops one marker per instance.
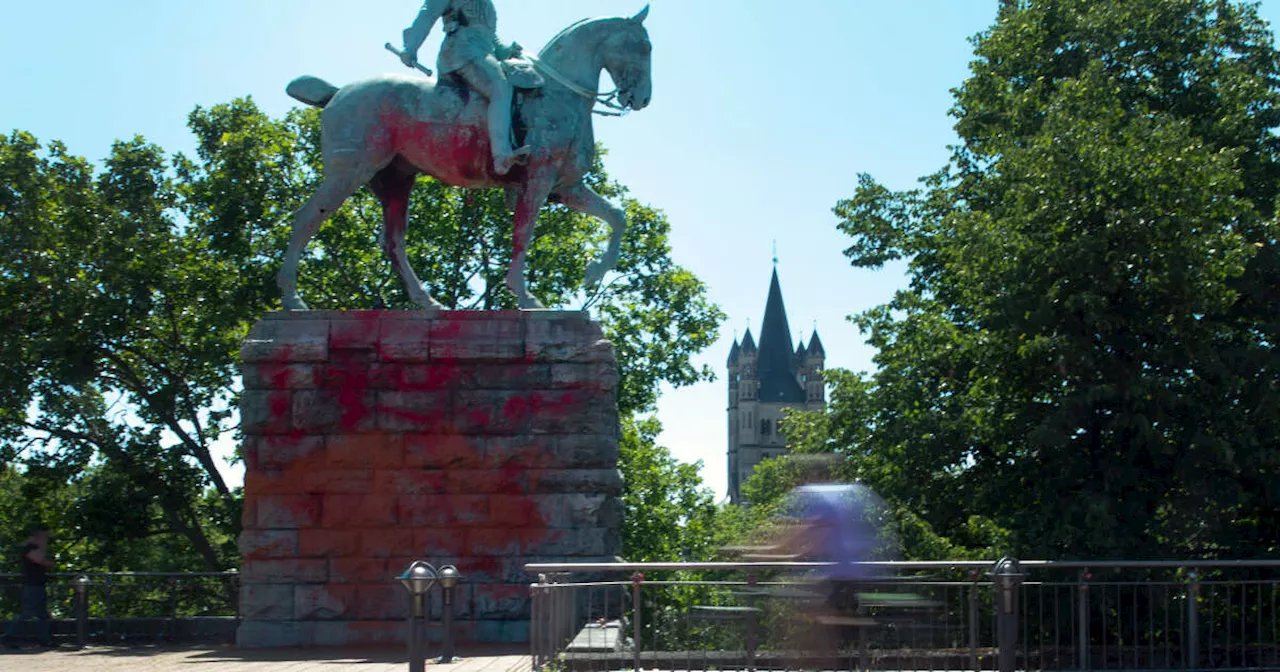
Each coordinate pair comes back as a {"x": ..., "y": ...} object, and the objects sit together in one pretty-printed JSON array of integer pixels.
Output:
[{"x": 470, "y": 42}]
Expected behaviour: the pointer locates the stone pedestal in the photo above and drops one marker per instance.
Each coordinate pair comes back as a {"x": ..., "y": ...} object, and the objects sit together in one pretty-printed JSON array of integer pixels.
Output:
[{"x": 485, "y": 440}]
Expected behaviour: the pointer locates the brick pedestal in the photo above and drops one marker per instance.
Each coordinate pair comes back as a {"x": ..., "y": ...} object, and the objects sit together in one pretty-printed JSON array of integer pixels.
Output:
[{"x": 485, "y": 440}]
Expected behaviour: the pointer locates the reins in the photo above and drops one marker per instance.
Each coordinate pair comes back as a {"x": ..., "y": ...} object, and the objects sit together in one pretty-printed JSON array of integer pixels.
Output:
[{"x": 608, "y": 100}]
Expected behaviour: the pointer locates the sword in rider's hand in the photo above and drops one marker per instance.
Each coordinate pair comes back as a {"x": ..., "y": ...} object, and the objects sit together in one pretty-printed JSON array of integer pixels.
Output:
[{"x": 391, "y": 48}]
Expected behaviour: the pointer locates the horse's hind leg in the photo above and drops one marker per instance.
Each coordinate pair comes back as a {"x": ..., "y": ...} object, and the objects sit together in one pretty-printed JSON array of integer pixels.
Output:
[
  {"x": 339, "y": 183},
  {"x": 393, "y": 185}
]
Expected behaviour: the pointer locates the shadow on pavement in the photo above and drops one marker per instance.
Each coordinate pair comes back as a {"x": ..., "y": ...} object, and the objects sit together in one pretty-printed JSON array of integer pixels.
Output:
[{"x": 226, "y": 653}]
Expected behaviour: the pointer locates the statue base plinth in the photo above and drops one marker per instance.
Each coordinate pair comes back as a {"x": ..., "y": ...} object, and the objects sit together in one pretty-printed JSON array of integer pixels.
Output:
[{"x": 484, "y": 440}]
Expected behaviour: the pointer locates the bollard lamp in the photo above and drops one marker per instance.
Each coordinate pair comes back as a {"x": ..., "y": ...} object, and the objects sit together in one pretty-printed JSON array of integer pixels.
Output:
[
  {"x": 449, "y": 576},
  {"x": 419, "y": 577}
]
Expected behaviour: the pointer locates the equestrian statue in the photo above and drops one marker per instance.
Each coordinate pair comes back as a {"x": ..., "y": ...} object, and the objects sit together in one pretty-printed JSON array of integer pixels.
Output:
[{"x": 462, "y": 128}]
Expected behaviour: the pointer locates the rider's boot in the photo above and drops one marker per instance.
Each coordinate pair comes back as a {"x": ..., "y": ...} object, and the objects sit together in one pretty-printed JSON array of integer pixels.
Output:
[{"x": 504, "y": 157}]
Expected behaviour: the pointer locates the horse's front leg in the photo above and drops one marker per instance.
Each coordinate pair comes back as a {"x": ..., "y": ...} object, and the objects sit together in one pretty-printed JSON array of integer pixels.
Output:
[
  {"x": 582, "y": 198},
  {"x": 532, "y": 195}
]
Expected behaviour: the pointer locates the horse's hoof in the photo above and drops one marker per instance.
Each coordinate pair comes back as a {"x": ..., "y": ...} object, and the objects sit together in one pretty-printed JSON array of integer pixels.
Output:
[
  {"x": 428, "y": 302},
  {"x": 430, "y": 307},
  {"x": 530, "y": 304},
  {"x": 294, "y": 303}
]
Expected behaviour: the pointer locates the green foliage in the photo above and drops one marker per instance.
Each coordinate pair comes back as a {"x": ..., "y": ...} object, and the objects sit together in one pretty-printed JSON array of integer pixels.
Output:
[
  {"x": 1083, "y": 364},
  {"x": 668, "y": 514},
  {"x": 126, "y": 291}
]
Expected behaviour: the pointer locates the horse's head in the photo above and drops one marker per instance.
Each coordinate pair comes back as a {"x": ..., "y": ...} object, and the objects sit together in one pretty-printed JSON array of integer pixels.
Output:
[{"x": 628, "y": 58}]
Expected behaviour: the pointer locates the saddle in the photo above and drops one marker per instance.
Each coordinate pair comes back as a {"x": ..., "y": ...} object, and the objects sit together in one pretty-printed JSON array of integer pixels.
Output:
[
  {"x": 519, "y": 70},
  {"x": 521, "y": 74}
]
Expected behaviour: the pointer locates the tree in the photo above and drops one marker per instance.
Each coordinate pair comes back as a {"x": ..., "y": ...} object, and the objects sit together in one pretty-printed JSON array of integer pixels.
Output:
[
  {"x": 125, "y": 293},
  {"x": 1086, "y": 352},
  {"x": 113, "y": 331},
  {"x": 668, "y": 515}
]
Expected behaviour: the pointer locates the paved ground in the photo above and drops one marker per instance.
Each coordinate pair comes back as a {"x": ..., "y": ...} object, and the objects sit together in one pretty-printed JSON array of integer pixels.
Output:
[{"x": 228, "y": 659}]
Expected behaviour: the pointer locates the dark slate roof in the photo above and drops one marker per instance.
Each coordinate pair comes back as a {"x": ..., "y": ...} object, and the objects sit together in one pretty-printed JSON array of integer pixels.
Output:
[
  {"x": 815, "y": 346},
  {"x": 800, "y": 348},
  {"x": 733, "y": 353},
  {"x": 776, "y": 365},
  {"x": 748, "y": 343}
]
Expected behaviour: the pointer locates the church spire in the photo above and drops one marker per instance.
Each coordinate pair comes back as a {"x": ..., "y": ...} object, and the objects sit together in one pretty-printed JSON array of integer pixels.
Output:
[{"x": 777, "y": 378}]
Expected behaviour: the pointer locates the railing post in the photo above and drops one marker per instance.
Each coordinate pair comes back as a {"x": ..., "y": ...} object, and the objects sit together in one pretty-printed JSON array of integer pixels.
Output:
[
  {"x": 82, "y": 610},
  {"x": 536, "y": 619},
  {"x": 1082, "y": 619},
  {"x": 1008, "y": 577},
  {"x": 973, "y": 621},
  {"x": 233, "y": 583},
  {"x": 108, "y": 605},
  {"x": 636, "y": 580},
  {"x": 751, "y": 626},
  {"x": 1193, "y": 622},
  {"x": 172, "y": 624}
]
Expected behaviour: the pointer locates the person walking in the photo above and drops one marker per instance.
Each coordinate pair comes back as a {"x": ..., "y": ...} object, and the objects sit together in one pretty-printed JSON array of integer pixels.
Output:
[{"x": 35, "y": 559}]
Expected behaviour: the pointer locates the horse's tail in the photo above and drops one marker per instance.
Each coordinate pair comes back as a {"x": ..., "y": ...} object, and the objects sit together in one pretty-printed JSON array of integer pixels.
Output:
[{"x": 311, "y": 90}]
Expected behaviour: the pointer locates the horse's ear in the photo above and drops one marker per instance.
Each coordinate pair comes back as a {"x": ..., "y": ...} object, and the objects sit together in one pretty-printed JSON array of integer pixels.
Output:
[{"x": 644, "y": 13}]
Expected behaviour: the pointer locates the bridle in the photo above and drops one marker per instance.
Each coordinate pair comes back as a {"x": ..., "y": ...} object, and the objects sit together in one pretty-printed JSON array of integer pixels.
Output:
[{"x": 608, "y": 100}]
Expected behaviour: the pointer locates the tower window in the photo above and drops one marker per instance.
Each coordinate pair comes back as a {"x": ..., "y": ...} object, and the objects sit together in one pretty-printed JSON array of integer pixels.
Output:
[{"x": 764, "y": 427}]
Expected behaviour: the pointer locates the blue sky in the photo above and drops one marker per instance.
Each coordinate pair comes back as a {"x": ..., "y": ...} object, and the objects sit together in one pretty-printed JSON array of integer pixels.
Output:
[{"x": 763, "y": 115}]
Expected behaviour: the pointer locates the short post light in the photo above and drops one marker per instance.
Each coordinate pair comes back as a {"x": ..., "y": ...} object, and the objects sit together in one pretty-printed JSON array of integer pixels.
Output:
[
  {"x": 449, "y": 576},
  {"x": 82, "y": 609},
  {"x": 1008, "y": 576},
  {"x": 418, "y": 579}
]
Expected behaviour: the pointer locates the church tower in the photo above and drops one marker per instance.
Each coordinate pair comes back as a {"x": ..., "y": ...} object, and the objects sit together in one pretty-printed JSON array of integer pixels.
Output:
[{"x": 763, "y": 380}]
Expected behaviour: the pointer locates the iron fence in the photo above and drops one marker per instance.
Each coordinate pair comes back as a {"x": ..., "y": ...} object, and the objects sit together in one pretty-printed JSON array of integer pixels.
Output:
[
  {"x": 134, "y": 606},
  {"x": 1035, "y": 615}
]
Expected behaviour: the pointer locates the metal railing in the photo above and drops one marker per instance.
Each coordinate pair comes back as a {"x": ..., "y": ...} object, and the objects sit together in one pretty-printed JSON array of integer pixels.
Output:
[
  {"x": 133, "y": 606},
  {"x": 1007, "y": 615}
]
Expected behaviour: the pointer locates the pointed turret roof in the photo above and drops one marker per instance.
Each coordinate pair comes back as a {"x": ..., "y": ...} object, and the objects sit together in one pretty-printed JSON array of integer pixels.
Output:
[
  {"x": 777, "y": 375},
  {"x": 733, "y": 352},
  {"x": 815, "y": 346},
  {"x": 748, "y": 343}
]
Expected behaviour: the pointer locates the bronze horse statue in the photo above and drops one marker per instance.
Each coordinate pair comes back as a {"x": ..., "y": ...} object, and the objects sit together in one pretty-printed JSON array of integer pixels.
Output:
[{"x": 387, "y": 130}]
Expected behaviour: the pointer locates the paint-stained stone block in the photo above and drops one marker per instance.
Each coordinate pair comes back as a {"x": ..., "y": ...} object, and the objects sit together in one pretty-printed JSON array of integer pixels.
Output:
[
  {"x": 312, "y": 603},
  {"x": 373, "y": 439},
  {"x": 267, "y": 601},
  {"x": 599, "y": 481},
  {"x": 287, "y": 511},
  {"x": 325, "y": 543},
  {"x": 334, "y": 411},
  {"x": 266, "y": 412},
  {"x": 286, "y": 571},
  {"x": 270, "y": 376},
  {"x": 288, "y": 452},
  {"x": 257, "y": 544},
  {"x": 469, "y": 340},
  {"x": 287, "y": 341}
]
